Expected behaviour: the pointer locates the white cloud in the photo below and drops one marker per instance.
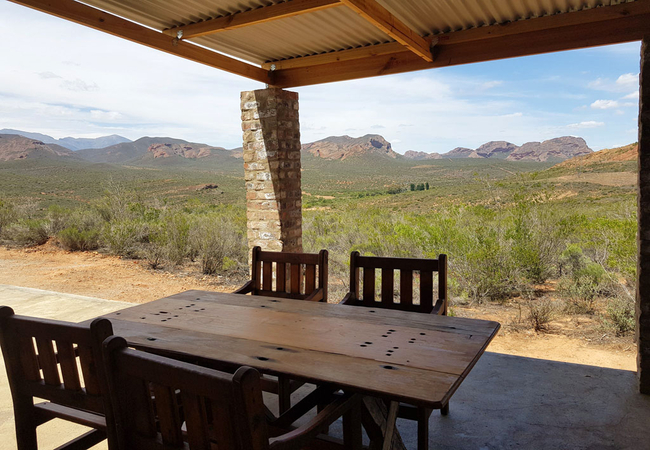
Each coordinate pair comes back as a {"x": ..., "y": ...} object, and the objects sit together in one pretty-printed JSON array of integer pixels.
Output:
[
  {"x": 97, "y": 114},
  {"x": 491, "y": 84},
  {"x": 78, "y": 85},
  {"x": 628, "y": 81},
  {"x": 587, "y": 124},
  {"x": 605, "y": 104},
  {"x": 48, "y": 75},
  {"x": 624, "y": 83},
  {"x": 632, "y": 95}
]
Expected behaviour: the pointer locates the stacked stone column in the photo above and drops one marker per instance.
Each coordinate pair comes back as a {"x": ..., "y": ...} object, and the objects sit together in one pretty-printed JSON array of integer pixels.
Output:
[
  {"x": 643, "y": 264},
  {"x": 272, "y": 169}
]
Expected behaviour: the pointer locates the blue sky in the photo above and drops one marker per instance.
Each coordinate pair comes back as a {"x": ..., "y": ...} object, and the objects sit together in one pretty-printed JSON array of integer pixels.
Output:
[{"x": 63, "y": 79}]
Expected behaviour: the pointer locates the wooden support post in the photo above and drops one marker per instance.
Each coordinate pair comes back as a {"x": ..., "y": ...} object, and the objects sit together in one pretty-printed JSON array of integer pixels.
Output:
[{"x": 643, "y": 263}]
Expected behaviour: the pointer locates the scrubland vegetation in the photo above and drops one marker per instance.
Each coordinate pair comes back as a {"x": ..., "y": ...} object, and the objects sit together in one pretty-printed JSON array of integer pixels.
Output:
[{"x": 508, "y": 240}]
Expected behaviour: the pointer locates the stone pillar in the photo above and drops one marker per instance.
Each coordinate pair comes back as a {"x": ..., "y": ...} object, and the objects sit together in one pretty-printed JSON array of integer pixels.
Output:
[
  {"x": 272, "y": 169},
  {"x": 643, "y": 263}
]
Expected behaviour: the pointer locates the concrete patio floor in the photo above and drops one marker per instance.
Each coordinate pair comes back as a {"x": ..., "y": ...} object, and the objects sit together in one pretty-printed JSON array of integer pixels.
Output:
[{"x": 507, "y": 402}]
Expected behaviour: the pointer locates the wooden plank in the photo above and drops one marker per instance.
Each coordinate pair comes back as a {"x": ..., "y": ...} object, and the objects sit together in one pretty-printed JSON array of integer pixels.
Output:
[
  {"x": 296, "y": 278},
  {"x": 68, "y": 361},
  {"x": 251, "y": 17},
  {"x": 281, "y": 277},
  {"x": 288, "y": 258},
  {"x": 116, "y": 26},
  {"x": 47, "y": 361},
  {"x": 336, "y": 56},
  {"x": 383, "y": 317},
  {"x": 426, "y": 289},
  {"x": 398, "y": 263},
  {"x": 387, "y": 286},
  {"x": 383, "y": 19},
  {"x": 614, "y": 31},
  {"x": 406, "y": 287},
  {"x": 28, "y": 358},
  {"x": 87, "y": 361},
  {"x": 391, "y": 420},
  {"x": 368, "y": 286},
  {"x": 167, "y": 413},
  {"x": 408, "y": 384},
  {"x": 431, "y": 350},
  {"x": 267, "y": 278},
  {"x": 310, "y": 278}
]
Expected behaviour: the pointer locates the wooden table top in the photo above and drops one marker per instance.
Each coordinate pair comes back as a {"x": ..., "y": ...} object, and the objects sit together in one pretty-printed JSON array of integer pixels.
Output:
[{"x": 405, "y": 356}]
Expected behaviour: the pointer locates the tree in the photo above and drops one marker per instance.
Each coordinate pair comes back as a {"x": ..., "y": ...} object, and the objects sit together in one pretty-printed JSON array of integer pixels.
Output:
[
  {"x": 426, "y": 185},
  {"x": 412, "y": 186}
]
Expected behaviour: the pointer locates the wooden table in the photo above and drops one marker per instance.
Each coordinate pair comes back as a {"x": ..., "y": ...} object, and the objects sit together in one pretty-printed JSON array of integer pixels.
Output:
[{"x": 416, "y": 358}]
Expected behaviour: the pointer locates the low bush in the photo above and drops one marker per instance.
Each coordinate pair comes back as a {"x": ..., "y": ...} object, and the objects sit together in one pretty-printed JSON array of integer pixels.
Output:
[
  {"x": 217, "y": 244},
  {"x": 621, "y": 316},
  {"x": 73, "y": 239},
  {"x": 540, "y": 313},
  {"x": 26, "y": 233}
]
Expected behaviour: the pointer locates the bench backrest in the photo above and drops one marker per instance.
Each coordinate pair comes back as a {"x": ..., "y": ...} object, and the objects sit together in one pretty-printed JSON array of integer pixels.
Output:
[
  {"x": 297, "y": 275},
  {"x": 410, "y": 269},
  {"x": 56, "y": 361},
  {"x": 163, "y": 404}
]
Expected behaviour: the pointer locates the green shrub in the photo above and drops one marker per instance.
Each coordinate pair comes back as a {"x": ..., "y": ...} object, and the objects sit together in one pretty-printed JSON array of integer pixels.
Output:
[
  {"x": 73, "y": 239},
  {"x": 58, "y": 218},
  {"x": 218, "y": 244},
  {"x": 8, "y": 214},
  {"x": 621, "y": 315},
  {"x": 26, "y": 233},
  {"x": 124, "y": 237},
  {"x": 540, "y": 313},
  {"x": 177, "y": 232}
]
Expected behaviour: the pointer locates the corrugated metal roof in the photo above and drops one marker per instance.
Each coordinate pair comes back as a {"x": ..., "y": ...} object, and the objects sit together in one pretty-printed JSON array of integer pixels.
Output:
[{"x": 331, "y": 29}]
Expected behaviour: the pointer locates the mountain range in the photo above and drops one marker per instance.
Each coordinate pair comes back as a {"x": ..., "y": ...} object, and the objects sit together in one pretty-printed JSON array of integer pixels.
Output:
[
  {"x": 165, "y": 150},
  {"x": 70, "y": 142},
  {"x": 552, "y": 150}
]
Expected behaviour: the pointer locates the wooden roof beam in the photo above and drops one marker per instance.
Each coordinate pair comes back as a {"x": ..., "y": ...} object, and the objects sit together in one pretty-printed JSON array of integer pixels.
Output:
[
  {"x": 380, "y": 17},
  {"x": 99, "y": 20},
  {"x": 252, "y": 17},
  {"x": 624, "y": 28},
  {"x": 638, "y": 7}
]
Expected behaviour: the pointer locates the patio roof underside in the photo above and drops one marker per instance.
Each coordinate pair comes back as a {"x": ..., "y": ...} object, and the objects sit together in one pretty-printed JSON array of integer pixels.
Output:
[{"x": 302, "y": 42}]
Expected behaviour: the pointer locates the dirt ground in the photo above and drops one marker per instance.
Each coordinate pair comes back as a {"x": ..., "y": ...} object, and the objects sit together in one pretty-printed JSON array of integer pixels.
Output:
[{"x": 96, "y": 275}]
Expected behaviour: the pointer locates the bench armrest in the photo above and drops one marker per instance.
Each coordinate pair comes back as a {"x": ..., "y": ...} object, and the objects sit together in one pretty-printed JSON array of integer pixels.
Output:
[{"x": 245, "y": 289}]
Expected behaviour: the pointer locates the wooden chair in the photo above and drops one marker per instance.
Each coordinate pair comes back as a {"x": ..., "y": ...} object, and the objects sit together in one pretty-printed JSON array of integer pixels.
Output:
[
  {"x": 296, "y": 276},
  {"x": 65, "y": 367},
  {"x": 291, "y": 281},
  {"x": 196, "y": 407},
  {"x": 387, "y": 299}
]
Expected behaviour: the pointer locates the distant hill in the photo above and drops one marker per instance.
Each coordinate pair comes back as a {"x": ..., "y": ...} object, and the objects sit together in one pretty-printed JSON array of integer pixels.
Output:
[
  {"x": 419, "y": 156},
  {"x": 344, "y": 147},
  {"x": 558, "y": 149},
  {"x": 126, "y": 151},
  {"x": 70, "y": 142},
  {"x": 186, "y": 150},
  {"x": 14, "y": 147},
  {"x": 609, "y": 155}
]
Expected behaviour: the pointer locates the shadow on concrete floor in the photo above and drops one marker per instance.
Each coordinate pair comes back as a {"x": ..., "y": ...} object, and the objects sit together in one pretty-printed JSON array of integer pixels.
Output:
[{"x": 515, "y": 402}]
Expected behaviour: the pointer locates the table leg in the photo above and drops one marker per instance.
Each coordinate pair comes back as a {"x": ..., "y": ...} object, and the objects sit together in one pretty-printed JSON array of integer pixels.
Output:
[
  {"x": 352, "y": 433},
  {"x": 379, "y": 422}
]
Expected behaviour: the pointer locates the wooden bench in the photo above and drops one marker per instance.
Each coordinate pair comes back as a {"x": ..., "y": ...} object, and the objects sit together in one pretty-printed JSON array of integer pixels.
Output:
[
  {"x": 60, "y": 362},
  {"x": 410, "y": 269},
  {"x": 199, "y": 406},
  {"x": 299, "y": 276}
]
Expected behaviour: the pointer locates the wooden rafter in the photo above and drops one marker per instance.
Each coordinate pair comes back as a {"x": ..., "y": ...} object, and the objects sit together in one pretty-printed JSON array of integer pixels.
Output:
[
  {"x": 103, "y": 21},
  {"x": 252, "y": 17},
  {"x": 380, "y": 17},
  {"x": 625, "y": 27}
]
